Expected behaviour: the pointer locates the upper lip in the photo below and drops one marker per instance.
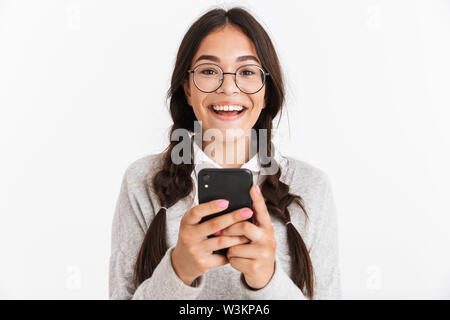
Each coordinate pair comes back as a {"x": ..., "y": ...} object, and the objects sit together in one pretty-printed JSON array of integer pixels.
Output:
[{"x": 227, "y": 103}]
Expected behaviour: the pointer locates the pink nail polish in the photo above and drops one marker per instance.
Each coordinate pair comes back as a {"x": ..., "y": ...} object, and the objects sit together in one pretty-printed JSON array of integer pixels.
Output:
[
  {"x": 223, "y": 203},
  {"x": 258, "y": 191},
  {"x": 247, "y": 213}
]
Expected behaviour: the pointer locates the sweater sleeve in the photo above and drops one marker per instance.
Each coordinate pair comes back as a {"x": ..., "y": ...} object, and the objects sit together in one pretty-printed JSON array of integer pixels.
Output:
[
  {"x": 280, "y": 287},
  {"x": 324, "y": 251},
  {"x": 128, "y": 231},
  {"x": 324, "y": 257}
]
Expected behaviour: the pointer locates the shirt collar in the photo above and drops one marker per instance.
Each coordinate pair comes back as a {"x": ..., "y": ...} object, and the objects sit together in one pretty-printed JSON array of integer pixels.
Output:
[{"x": 201, "y": 160}]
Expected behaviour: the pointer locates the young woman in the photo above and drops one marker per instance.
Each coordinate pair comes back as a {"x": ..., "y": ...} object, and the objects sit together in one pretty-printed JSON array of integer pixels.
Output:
[{"x": 226, "y": 61}]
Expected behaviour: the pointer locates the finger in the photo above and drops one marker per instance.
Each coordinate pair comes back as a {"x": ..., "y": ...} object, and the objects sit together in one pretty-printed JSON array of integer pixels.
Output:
[
  {"x": 262, "y": 215},
  {"x": 222, "y": 242},
  {"x": 193, "y": 216},
  {"x": 248, "y": 251},
  {"x": 221, "y": 222},
  {"x": 241, "y": 264},
  {"x": 244, "y": 228},
  {"x": 216, "y": 260}
]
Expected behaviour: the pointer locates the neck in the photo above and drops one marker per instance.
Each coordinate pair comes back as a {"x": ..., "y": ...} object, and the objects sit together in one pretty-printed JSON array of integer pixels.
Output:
[{"x": 229, "y": 154}]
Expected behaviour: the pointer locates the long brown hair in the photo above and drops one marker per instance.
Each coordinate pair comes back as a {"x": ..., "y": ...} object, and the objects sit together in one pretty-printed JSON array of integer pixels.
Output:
[{"x": 173, "y": 182}]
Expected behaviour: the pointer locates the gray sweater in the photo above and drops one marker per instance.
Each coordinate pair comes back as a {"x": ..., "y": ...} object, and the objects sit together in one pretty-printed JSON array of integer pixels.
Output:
[{"x": 136, "y": 206}]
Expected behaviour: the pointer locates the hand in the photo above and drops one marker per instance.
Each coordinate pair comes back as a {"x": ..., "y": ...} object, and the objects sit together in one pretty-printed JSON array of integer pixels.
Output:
[
  {"x": 255, "y": 260},
  {"x": 193, "y": 253}
]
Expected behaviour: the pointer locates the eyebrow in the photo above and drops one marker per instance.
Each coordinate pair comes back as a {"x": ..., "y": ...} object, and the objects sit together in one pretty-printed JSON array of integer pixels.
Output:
[{"x": 216, "y": 59}]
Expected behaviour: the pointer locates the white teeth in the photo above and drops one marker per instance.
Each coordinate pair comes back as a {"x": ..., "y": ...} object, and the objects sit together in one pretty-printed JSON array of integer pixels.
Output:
[{"x": 228, "y": 108}]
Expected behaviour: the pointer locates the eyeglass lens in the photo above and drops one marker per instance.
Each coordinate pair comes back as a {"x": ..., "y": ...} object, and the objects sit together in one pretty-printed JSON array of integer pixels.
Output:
[{"x": 208, "y": 77}]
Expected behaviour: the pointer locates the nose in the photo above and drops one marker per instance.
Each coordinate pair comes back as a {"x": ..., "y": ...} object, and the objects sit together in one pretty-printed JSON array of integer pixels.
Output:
[{"x": 228, "y": 85}]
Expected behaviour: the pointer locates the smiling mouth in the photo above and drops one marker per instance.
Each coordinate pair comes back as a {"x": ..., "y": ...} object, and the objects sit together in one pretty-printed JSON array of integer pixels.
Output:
[
  {"x": 224, "y": 115},
  {"x": 227, "y": 113}
]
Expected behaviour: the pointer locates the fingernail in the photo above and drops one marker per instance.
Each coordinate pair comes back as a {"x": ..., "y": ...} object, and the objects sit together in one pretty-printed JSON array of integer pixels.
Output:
[
  {"x": 218, "y": 233},
  {"x": 223, "y": 203},
  {"x": 258, "y": 191},
  {"x": 247, "y": 213}
]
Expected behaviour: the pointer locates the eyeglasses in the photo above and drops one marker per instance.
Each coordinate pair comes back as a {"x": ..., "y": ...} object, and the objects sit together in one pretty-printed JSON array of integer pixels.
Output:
[{"x": 208, "y": 77}]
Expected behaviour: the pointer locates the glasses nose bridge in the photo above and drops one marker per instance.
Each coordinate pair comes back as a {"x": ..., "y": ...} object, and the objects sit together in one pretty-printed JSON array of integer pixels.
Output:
[
  {"x": 233, "y": 73},
  {"x": 223, "y": 79},
  {"x": 223, "y": 76}
]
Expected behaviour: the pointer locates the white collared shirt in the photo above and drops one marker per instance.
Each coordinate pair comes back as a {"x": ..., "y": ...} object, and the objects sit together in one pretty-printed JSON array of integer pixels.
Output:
[{"x": 201, "y": 161}]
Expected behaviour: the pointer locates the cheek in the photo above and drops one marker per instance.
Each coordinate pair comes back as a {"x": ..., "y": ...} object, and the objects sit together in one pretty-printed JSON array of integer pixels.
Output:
[
  {"x": 199, "y": 98},
  {"x": 258, "y": 104},
  {"x": 258, "y": 101},
  {"x": 198, "y": 104}
]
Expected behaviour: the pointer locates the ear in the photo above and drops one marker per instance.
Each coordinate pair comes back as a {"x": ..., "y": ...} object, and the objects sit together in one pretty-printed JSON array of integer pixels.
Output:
[{"x": 187, "y": 91}]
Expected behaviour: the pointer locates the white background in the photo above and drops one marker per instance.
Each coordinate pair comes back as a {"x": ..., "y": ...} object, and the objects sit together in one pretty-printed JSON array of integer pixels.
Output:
[{"x": 82, "y": 95}]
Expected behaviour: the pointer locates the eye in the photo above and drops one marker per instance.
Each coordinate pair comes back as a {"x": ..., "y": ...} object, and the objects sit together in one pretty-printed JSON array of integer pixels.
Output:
[
  {"x": 247, "y": 73},
  {"x": 208, "y": 72}
]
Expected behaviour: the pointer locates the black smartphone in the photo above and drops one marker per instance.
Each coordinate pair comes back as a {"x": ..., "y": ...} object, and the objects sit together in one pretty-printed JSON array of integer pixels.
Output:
[{"x": 229, "y": 184}]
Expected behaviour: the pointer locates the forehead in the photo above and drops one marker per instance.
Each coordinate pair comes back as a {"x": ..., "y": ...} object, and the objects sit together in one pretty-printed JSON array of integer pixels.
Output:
[{"x": 227, "y": 44}]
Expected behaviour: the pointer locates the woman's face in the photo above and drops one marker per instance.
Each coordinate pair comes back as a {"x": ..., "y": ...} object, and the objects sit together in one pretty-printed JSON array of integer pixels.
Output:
[{"x": 225, "y": 46}]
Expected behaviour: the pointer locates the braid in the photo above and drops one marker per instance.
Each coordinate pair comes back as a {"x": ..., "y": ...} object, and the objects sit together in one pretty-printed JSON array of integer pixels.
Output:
[
  {"x": 172, "y": 183},
  {"x": 277, "y": 198}
]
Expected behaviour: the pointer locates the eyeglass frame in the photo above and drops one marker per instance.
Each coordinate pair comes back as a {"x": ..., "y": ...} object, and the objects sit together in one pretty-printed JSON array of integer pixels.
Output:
[{"x": 224, "y": 73}]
